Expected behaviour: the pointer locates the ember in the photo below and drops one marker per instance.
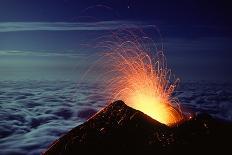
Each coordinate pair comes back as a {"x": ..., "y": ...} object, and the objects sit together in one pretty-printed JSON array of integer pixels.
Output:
[{"x": 142, "y": 79}]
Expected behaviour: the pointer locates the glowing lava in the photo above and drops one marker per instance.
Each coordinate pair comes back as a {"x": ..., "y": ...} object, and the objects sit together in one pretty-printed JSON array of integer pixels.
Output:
[{"x": 142, "y": 80}]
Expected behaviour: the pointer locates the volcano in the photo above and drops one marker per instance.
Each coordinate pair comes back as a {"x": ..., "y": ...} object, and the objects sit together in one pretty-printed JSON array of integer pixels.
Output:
[{"x": 120, "y": 129}]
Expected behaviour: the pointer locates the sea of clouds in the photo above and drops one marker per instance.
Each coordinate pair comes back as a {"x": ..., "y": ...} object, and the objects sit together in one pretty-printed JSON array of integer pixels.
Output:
[{"x": 35, "y": 113}]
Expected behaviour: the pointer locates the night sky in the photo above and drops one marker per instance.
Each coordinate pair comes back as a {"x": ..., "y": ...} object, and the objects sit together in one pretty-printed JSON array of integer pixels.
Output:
[{"x": 42, "y": 39}]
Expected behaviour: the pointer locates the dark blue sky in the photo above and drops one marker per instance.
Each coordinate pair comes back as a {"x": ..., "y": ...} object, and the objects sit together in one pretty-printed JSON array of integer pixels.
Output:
[{"x": 45, "y": 35}]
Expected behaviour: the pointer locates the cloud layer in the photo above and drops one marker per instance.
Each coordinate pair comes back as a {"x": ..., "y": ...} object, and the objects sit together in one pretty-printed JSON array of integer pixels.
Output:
[
  {"x": 35, "y": 113},
  {"x": 72, "y": 54},
  {"x": 65, "y": 26}
]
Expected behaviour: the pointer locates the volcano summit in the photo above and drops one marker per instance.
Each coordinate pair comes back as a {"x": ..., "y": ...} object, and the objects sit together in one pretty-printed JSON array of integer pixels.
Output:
[{"x": 119, "y": 128}]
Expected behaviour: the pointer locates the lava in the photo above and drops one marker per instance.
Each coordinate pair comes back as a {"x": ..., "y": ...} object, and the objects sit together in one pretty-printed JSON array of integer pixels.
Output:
[{"x": 142, "y": 79}]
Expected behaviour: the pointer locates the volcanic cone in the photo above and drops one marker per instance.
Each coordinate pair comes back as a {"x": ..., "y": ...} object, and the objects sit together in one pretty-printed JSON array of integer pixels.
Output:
[{"x": 118, "y": 129}]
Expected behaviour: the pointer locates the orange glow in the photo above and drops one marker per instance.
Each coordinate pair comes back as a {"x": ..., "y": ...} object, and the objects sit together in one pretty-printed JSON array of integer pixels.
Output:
[{"x": 143, "y": 81}]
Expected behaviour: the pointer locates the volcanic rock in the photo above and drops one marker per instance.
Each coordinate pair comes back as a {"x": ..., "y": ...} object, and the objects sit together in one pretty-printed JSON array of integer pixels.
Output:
[{"x": 119, "y": 129}]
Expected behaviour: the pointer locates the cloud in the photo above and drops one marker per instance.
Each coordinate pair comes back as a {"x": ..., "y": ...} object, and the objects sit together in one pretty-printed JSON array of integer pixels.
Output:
[
  {"x": 39, "y": 53},
  {"x": 50, "y": 109},
  {"x": 65, "y": 26}
]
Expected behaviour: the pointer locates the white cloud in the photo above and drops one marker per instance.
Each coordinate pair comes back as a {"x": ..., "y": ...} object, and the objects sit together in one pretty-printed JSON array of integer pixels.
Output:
[
  {"x": 39, "y": 53},
  {"x": 65, "y": 26}
]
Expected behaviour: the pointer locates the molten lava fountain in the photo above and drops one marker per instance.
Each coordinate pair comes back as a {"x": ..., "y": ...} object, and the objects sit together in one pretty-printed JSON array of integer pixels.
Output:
[{"x": 141, "y": 79}]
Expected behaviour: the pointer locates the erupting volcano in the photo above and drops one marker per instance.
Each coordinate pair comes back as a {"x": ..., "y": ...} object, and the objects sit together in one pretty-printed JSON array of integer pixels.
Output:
[
  {"x": 148, "y": 119},
  {"x": 142, "y": 79}
]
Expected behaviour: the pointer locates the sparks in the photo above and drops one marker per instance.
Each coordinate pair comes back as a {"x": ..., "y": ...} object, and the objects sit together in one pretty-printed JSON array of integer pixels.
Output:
[{"x": 142, "y": 79}]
